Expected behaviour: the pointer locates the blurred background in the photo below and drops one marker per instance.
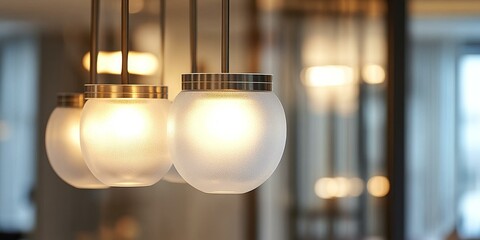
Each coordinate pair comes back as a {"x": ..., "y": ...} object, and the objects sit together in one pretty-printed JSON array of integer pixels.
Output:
[{"x": 380, "y": 96}]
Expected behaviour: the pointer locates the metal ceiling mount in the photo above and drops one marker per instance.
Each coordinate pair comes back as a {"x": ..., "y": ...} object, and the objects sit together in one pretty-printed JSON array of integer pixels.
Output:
[
  {"x": 70, "y": 100},
  {"x": 227, "y": 81},
  {"x": 125, "y": 89}
]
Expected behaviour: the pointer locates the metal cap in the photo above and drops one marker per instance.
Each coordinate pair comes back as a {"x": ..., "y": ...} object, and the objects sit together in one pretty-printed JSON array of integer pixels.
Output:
[
  {"x": 71, "y": 100},
  {"x": 226, "y": 81},
  {"x": 125, "y": 91}
]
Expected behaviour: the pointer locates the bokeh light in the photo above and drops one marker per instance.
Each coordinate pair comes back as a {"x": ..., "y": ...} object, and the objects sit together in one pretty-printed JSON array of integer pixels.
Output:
[
  {"x": 373, "y": 74},
  {"x": 140, "y": 63},
  {"x": 378, "y": 186},
  {"x": 327, "y": 76},
  {"x": 338, "y": 187}
]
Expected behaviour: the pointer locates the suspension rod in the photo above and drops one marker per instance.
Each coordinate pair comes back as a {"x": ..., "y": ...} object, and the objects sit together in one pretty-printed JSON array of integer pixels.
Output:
[
  {"x": 124, "y": 41},
  {"x": 193, "y": 35},
  {"x": 225, "y": 35},
  {"x": 94, "y": 23},
  {"x": 162, "y": 39}
]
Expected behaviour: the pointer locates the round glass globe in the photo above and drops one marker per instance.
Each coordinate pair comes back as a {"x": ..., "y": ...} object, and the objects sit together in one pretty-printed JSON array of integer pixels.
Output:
[
  {"x": 124, "y": 141},
  {"x": 226, "y": 141},
  {"x": 62, "y": 142}
]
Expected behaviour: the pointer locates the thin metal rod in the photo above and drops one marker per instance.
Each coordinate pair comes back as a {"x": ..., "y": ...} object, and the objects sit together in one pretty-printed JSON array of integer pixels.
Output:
[
  {"x": 225, "y": 35},
  {"x": 94, "y": 23},
  {"x": 124, "y": 41},
  {"x": 193, "y": 35},
  {"x": 162, "y": 39}
]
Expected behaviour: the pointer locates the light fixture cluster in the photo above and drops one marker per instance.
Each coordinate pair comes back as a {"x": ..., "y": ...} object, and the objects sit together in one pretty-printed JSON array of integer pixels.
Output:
[{"x": 224, "y": 133}]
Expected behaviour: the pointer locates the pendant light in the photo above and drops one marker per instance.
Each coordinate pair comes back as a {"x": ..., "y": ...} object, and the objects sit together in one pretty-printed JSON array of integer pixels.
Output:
[
  {"x": 227, "y": 131},
  {"x": 62, "y": 142},
  {"x": 123, "y": 126}
]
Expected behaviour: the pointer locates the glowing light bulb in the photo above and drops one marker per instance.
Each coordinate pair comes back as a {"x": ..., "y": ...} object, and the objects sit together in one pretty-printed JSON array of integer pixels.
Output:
[
  {"x": 124, "y": 140},
  {"x": 226, "y": 141},
  {"x": 62, "y": 142}
]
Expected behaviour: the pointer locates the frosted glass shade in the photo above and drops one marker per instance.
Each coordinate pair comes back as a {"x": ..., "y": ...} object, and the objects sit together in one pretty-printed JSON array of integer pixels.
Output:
[
  {"x": 124, "y": 140},
  {"x": 173, "y": 176},
  {"x": 62, "y": 142},
  {"x": 226, "y": 141}
]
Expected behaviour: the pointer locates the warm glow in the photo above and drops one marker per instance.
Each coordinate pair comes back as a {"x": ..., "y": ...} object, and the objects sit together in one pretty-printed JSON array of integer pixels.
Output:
[
  {"x": 225, "y": 122},
  {"x": 124, "y": 140},
  {"x": 269, "y": 5},
  {"x": 327, "y": 76},
  {"x": 62, "y": 142},
  {"x": 136, "y": 6},
  {"x": 325, "y": 188},
  {"x": 131, "y": 120},
  {"x": 339, "y": 187},
  {"x": 139, "y": 63},
  {"x": 343, "y": 187},
  {"x": 331, "y": 88},
  {"x": 378, "y": 186},
  {"x": 226, "y": 142},
  {"x": 356, "y": 187},
  {"x": 373, "y": 74}
]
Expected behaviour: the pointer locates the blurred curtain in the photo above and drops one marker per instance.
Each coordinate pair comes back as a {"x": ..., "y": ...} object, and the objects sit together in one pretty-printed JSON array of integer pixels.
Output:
[{"x": 430, "y": 141}]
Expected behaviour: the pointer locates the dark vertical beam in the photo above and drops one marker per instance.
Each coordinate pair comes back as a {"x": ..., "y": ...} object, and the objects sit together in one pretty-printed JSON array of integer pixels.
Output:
[
  {"x": 251, "y": 215},
  {"x": 291, "y": 47},
  {"x": 396, "y": 30}
]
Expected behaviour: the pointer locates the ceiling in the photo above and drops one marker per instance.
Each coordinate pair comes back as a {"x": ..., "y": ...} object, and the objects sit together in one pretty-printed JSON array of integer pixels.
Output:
[{"x": 52, "y": 14}]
